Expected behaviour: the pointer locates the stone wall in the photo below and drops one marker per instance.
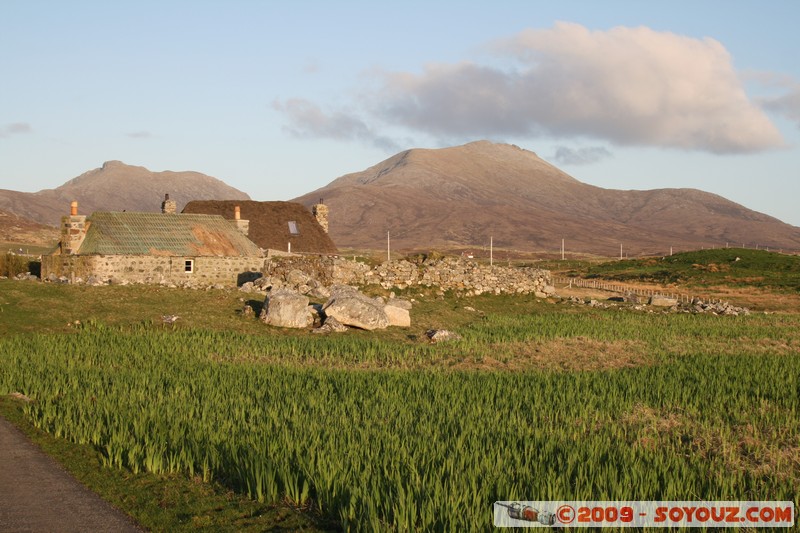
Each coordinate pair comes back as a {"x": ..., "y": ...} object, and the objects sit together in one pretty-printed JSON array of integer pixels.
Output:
[
  {"x": 446, "y": 274},
  {"x": 206, "y": 271}
]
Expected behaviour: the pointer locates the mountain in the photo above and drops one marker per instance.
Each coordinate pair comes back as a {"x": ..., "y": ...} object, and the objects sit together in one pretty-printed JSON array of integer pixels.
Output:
[
  {"x": 116, "y": 187},
  {"x": 462, "y": 196}
]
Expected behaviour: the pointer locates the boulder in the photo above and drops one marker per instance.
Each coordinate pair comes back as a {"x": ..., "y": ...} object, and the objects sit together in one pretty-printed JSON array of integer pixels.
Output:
[
  {"x": 442, "y": 335},
  {"x": 295, "y": 278},
  {"x": 631, "y": 297},
  {"x": 320, "y": 293},
  {"x": 397, "y": 302},
  {"x": 353, "y": 308},
  {"x": 397, "y": 316},
  {"x": 331, "y": 325},
  {"x": 286, "y": 309},
  {"x": 662, "y": 301}
]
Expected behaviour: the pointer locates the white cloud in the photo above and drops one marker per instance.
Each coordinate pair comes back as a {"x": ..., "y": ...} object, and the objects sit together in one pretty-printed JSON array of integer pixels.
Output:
[
  {"x": 580, "y": 156},
  {"x": 629, "y": 86},
  {"x": 624, "y": 86}
]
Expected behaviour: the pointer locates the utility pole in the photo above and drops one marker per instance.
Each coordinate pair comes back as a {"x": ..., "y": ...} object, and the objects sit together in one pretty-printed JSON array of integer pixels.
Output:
[
  {"x": 562, "y": 249},
  {"x": 388, "y": 248},
  {"x": 491, "y": 251},
  {"x": 620, "y": 251}
]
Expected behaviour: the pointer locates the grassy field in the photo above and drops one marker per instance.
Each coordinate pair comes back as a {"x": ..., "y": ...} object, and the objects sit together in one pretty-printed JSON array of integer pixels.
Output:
[
  {"x": 220, "y": 422},
  {"x": 734, "y": 267}
]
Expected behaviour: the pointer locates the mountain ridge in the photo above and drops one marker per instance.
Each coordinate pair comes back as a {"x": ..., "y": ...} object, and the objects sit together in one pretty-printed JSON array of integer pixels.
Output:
[
  {"x": 464, "y": 196},
  {"x": 448, "y": 198},
  {"x": 116, "y": 186}
]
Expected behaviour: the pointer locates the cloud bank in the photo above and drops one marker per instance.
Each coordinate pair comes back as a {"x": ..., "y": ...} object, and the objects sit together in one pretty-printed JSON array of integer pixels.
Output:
[
  {"x": 787, "y": 105},
  {"x": 624, "y": 86},
  {"x": 308, "y": 120}
]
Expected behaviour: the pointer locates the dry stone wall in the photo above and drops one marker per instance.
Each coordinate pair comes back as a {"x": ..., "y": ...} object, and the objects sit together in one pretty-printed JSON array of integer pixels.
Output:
[{"x": 446, "y": 274}]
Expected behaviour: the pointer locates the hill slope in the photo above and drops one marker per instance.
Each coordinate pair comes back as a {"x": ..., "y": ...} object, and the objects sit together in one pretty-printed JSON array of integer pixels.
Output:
[
  {"x": 16, "y": 229},
  {"x": 116, "y": 187},
  {"x": 462, "y": 196}
]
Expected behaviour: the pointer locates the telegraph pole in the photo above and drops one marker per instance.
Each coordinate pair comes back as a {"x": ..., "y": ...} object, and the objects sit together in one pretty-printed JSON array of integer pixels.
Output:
[{"x": 388, "y": 248}]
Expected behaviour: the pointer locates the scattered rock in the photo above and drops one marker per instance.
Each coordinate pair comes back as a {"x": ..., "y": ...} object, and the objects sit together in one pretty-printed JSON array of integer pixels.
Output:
[
  {"x": 169, "y": 319},
  {"x": 248, "y": 287},
  {"x": 717, "y": 308},
  {"x": 352, "y": 308},
  {"x": 320, "y": 293},
  {"x": 631, "y": 297},
  {"x": 442, "y": 335},
  {"x": 662, "y": 301},
  {"x": 397, "y": 316},
  {"x": 402, "y": 304},
  {"x": 286, "y": 309},
  {"x": 331, "y": 325}
]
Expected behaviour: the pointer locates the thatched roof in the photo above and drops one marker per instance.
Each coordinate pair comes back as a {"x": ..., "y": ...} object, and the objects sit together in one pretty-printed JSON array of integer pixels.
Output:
[
  {"x": 269, "y": 223},
  {"x": 130, "y": 233}
]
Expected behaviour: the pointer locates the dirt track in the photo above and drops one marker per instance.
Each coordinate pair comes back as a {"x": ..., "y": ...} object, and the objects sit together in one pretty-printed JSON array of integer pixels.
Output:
[{"x": 38, "y": 495}]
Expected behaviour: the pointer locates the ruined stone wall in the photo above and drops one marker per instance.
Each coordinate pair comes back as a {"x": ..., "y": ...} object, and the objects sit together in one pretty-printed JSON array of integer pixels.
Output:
[
  {"x": 229, "y": 271},
  {"x": 446, "y": 274}
]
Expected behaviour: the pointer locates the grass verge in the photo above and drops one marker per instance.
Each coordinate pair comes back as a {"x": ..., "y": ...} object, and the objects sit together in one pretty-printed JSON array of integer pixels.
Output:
[{"x": 164, "y": 502}]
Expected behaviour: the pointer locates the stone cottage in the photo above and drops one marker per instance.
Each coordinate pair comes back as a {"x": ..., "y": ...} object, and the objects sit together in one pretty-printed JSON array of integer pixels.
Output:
[{"x": 164, "y": 247}]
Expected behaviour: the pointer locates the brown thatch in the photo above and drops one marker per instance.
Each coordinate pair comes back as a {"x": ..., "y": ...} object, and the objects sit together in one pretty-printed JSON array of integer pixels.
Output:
[{"x": 269, "y": 223}]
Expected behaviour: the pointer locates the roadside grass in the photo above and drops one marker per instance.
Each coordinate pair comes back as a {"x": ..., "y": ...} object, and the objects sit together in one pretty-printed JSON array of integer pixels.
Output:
[{"x": 164, "y": 502}]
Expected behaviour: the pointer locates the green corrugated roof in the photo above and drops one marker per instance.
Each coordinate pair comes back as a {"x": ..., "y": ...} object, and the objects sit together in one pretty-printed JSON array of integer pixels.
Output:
[{"x": 164, "y": 234}]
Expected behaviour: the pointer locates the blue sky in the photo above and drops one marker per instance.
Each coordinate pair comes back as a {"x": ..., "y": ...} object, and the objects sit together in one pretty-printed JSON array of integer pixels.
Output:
[{"x": 280, "y": 98}]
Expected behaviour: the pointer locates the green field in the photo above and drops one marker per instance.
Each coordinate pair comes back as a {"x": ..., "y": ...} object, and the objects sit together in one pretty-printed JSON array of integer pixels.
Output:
[
  {"x": 735, "y": 267},
  {"x": 381, "y": 431}
]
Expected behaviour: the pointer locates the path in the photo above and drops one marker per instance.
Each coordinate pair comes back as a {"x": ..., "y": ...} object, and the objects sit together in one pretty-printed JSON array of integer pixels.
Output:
[{"x": 38, "y": 495}]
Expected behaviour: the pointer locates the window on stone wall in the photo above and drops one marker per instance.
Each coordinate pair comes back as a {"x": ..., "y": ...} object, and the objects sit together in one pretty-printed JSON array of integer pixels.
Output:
[
  {"x": 188, "y": 266},
  {"x": 293, "y": 228}
]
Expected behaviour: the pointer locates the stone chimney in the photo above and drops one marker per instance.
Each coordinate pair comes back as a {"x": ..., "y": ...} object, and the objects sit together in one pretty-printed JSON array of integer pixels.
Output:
[
  {"x": 241, "y": 225},
  {"x": 168, "y": 206},
  {"x": 320, "y": 212},
  {"x": 73, "y": 230}
]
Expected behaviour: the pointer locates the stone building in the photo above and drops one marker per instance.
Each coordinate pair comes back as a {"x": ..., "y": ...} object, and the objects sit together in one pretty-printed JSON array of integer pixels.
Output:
[{"x": 154, "y": 248}]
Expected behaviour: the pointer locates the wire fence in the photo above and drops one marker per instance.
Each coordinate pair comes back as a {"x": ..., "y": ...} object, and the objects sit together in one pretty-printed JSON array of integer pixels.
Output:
[{"x": 621, "y": 288}]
